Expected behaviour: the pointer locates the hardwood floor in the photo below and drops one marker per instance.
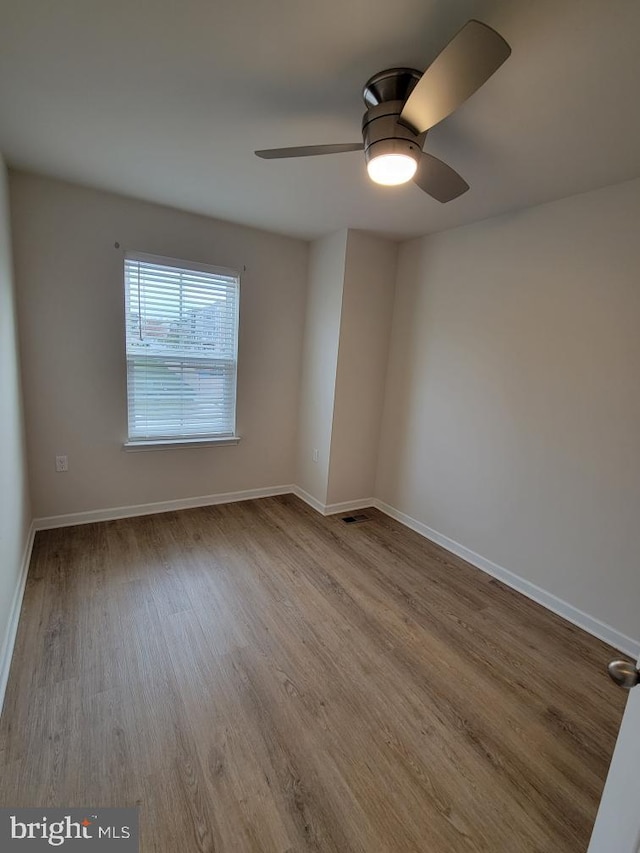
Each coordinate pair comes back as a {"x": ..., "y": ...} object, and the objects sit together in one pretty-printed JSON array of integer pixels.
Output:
[{"x": 259, "y": 678}]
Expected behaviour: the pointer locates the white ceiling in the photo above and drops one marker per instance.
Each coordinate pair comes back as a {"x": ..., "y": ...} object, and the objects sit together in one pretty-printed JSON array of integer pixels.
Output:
[{"x": 167, "y": 99}]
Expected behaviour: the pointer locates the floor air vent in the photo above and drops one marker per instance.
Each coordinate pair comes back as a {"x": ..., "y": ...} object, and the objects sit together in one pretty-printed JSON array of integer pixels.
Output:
[{"x": 355, "y": 519}]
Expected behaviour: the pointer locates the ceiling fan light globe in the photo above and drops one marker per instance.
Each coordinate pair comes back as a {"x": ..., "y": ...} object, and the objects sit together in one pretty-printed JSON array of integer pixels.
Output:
[{"x": 392, "y": 169}]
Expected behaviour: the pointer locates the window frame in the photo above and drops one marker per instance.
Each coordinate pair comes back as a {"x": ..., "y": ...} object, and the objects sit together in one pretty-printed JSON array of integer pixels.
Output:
[{"x": 168, "y": 442}]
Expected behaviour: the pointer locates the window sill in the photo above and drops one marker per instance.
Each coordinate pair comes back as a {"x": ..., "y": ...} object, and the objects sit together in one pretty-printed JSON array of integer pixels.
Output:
[{"x": 179, "y": 443}]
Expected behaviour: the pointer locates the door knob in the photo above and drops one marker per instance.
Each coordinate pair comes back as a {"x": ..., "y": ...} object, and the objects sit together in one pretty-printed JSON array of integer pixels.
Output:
[{"x": 624, "y": 673}]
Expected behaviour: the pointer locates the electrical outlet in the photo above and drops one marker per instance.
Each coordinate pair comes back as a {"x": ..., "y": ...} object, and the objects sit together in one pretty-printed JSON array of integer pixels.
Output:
[
  {"x": 316, "y": 455},
  {"x": 62, "y": 463}
]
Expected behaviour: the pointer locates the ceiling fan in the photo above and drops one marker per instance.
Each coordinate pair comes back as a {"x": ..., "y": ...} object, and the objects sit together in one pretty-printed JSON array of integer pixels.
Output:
[{"x": 404, "y": 104}]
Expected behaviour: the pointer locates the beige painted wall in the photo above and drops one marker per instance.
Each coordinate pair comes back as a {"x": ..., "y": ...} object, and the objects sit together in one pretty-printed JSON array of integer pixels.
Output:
[
  {"x": 319, "y": 363},
  {"x": 512, "y": 414},
  {"x": 365, "y": 327},
  {"x": 72, "y": 331},
  {"x": 15, "y": 512}
]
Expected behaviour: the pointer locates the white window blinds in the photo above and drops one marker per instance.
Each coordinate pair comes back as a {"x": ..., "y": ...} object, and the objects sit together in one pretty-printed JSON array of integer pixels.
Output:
[{"x": 182, "y": 345}]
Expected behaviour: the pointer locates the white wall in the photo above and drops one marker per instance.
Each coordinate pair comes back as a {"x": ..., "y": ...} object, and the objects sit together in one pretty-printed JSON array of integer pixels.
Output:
[
  {"x": 15, "y": 513},
  {"x": 511, "y": 411},
  {"x": 512, "y": 414},
  {"x": 365, "y": 328},
  {"x": 346, "y": 342},
  {"x": 320, "y": 360},
  {"x": 70, "y": 289}
]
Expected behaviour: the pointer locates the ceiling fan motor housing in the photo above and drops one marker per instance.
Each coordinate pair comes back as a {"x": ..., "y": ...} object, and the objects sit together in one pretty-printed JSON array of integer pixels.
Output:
[
  {"x": 384, "y": 134},
  {"x": 385, "y": 95},
  {"x": 393, "y": 84}
]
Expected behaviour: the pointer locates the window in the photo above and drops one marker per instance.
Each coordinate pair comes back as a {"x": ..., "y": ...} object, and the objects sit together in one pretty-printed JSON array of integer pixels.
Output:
[{"x": 182, "y": 345}]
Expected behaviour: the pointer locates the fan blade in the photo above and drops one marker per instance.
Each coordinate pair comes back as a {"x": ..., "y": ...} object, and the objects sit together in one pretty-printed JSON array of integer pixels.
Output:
[
  {"x": 309, "y": 150},
  {"x": 439, "y": 180},
  {"x": 470, "y": 58}
]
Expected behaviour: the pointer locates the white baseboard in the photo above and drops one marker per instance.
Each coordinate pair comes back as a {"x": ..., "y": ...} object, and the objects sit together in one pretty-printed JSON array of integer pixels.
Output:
[
  {"x": 572, "y": 614},
  {"x": 348, "y": 506},
  {"x": 331, "y": 509},
  {"x": 308, "y": 499},
  {"x": 113, "y": 513},
  {"x": 9, "y": 641}
]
